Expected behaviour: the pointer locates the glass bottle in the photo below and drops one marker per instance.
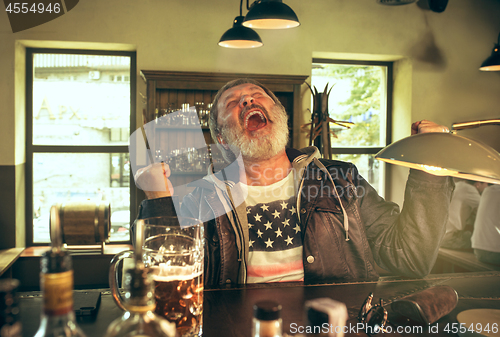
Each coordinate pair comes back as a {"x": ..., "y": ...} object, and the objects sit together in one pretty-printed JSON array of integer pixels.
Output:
[
  {"x": 266, "y": 320},
  {"x": 200, "y": 107},
  {"x": 56, "y": 283},
  {"x": 139, "y": 319},
  {"x": 10, "y": 323}
]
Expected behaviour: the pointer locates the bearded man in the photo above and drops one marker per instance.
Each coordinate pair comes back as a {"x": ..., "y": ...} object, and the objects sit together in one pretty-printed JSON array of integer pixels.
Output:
[{"x": 288, "y": 215}]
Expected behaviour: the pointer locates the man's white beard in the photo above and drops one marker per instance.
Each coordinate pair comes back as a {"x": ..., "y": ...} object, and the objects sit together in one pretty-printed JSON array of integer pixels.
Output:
[{"x": 259, "y": 148}]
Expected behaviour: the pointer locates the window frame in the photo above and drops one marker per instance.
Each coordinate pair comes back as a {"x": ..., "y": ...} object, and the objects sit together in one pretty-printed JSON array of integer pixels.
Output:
[
  {"x": 389, "y": 100},
  {"x": 31, "y": 149}
]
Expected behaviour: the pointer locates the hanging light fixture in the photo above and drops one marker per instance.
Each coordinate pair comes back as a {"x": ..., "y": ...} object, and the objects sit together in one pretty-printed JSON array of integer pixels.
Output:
[
  {"x": 239, "y": 36},
  {"x": 270, "y": 14},
  {"x": 395, "y": 2},
  {"x": 492, "y": 63}
]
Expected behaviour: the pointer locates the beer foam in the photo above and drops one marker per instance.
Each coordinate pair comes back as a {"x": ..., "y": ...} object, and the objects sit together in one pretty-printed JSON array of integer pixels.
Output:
[{"x": 164, "y": 273}]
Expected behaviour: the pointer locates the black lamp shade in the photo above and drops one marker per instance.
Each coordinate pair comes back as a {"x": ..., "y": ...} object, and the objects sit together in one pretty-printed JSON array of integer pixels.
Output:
[
  {"x": 492, "y": 63},
  {"x": 395, "y": 2},
  {"x": 270, "y": 14},
  {"x": 240, "y": 37}
]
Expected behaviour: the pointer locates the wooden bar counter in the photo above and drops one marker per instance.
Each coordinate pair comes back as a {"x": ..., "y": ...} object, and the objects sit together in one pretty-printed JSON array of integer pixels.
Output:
[{"x": 228, "y": 311}]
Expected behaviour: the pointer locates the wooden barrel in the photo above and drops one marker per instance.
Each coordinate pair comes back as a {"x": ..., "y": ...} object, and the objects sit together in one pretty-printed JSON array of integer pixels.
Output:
[{"x": 84, "y": 222}]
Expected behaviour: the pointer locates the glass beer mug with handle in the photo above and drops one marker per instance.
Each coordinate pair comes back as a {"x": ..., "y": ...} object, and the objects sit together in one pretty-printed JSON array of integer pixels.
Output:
[
  {"x": 139, "y": 303},
  {"x": 172, "y": 251}
]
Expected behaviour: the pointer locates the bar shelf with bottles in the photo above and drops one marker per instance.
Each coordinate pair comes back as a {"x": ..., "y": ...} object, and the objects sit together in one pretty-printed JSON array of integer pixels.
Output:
[
  {"x": 167, "y": 91},
  {"x": 173, "y": 138}
]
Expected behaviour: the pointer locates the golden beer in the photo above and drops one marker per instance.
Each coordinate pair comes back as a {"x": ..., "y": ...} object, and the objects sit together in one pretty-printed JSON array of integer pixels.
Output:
[
  {"x": 179, "y": 297},
  {"x": 172, "y": 250}
]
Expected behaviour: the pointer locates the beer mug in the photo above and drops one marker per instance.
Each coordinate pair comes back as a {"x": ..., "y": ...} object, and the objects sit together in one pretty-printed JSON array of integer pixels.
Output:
[{"x": 172, "y": 251}]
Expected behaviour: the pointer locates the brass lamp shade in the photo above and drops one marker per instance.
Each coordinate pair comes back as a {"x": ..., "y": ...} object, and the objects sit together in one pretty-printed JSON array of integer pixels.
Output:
[
  {"x": 240, "y": 37},
  {"x": 270, "y": 14},
  {"x": 445, "y": 154}
]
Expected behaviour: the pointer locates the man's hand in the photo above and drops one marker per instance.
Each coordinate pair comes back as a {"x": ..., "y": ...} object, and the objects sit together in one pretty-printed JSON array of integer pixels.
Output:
[
  {"x": 425, "y": 126},
  {"x": 153, "y": 180}
]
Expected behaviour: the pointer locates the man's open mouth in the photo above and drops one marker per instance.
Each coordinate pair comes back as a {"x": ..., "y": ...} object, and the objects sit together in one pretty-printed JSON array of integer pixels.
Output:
[{"x": 255, "y": 120}]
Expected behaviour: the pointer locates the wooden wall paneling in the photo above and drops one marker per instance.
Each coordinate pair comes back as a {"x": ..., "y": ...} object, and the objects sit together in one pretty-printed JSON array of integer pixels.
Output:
[
  {"x": 207, "y": 98},
  {"x": 198, "y": 96},
  {"x": 163, "y": 99},
  {"x": 151, "y": 101},
  {"x": 296, "y": 112},
  {"x": 172, "y": 99},
  {"x": 211, "y": 81},
  {"x": 190, "y": 97},
  {"x": 181, "y": 98}
]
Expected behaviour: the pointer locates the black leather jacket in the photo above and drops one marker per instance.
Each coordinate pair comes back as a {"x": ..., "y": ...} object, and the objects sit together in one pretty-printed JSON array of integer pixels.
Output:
[{"x": 344, "y": 232}]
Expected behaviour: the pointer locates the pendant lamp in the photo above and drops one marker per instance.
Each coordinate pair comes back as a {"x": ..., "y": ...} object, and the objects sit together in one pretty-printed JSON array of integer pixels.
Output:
[
  {"x": 240, "y": 37},
  {"x": 395, "y": 2},
  {"x": 270, "y": 14},
  {"x": 492, "y": 63}
]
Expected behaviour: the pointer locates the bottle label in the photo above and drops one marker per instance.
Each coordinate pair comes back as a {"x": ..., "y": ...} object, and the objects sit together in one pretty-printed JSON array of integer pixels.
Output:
[{"x": 57, "y": 292}]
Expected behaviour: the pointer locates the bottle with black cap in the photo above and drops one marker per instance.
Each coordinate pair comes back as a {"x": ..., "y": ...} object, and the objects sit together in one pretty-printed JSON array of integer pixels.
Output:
[
  {"x": 10, "y": 323},
  {"x": 56, "y": 282},
  {"x": 266, "y": 320}
]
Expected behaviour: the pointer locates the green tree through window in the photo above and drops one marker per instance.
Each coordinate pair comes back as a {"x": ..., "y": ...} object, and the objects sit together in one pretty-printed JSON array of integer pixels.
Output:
[{"x": 359, "y": 95}]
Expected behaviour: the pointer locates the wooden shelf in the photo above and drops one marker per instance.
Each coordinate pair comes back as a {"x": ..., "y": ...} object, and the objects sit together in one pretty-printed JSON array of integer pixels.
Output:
[
  {"x": 174, "y": 88},
  {"x": 8, "y": 257},
  {"x": 109, "y": 250},
  {"x": 190, "y": 87}
]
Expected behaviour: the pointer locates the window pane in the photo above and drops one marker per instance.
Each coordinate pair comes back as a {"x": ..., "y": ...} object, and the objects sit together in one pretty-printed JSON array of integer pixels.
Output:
[
  {"x": 64, "y": 177},
  {"x": 371, "y": 169},
  {"x": 358, "y": 96},
  {"x": 81, "y": 99}
]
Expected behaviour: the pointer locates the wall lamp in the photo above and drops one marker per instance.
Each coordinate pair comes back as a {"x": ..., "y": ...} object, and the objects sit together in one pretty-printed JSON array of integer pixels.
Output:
[
  {"x": 263, "y": 14},
  {"x": 492, "y": 63},
  {"x": 447, "y": 154}
]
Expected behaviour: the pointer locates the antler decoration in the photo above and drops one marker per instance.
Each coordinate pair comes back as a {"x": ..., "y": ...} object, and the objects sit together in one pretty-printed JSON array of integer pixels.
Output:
[{"x": 320, "y": 122}]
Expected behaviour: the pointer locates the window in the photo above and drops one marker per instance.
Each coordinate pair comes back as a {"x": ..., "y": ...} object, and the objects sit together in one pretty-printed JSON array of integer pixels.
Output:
[
  {"x": 361, "y": 94},
  {"x": 78, "y": 124}
]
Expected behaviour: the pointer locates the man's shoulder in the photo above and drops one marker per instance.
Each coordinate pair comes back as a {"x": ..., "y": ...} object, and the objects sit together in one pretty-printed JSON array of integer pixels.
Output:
[
  {"x": 339, "y": 170},
  {"x": 336, "y": 163}
]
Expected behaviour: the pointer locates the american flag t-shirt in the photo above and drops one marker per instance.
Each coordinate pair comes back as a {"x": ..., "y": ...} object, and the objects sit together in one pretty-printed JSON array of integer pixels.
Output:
[{"x": 275, "y": 241}]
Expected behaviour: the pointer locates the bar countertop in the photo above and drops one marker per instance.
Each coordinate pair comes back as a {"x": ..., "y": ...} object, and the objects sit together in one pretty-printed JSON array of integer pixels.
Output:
[{"x": 228, "y": 311}]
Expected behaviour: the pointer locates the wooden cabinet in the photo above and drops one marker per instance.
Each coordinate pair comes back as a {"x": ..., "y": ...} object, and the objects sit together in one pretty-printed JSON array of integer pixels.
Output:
[{"x": 170, "y": 89}]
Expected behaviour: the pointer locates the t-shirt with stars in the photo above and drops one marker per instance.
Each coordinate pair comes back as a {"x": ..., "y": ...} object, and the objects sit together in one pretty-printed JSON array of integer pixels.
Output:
[{"x": 275, "y": 241}]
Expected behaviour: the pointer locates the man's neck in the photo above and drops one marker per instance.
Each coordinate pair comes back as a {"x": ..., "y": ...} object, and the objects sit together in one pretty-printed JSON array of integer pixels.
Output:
[{"x": 269, "y": 171}]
